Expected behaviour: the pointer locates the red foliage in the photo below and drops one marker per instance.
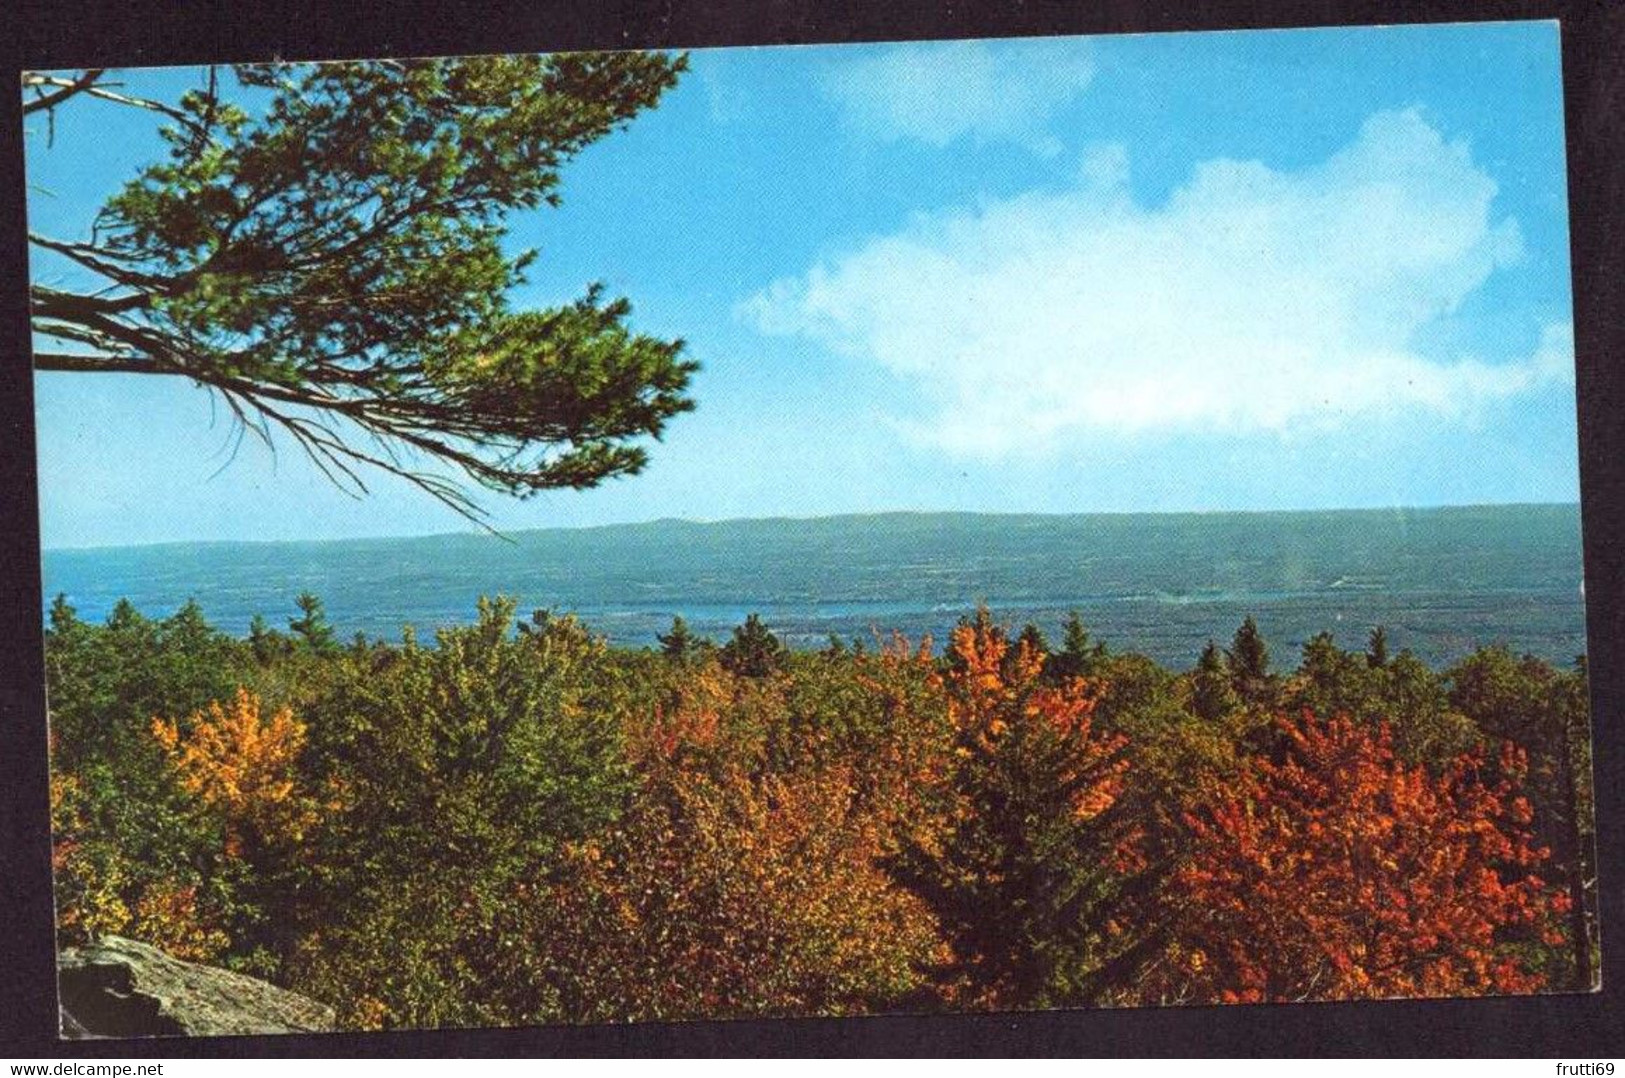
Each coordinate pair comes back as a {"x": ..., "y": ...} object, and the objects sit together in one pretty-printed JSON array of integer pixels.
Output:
[{"x": 1341, "y": 872}]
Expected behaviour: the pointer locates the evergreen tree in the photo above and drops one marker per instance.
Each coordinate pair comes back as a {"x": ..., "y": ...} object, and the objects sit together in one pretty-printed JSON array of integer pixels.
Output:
[
  {"x": 64, "y": 618},
  {"x": 1376, "y": 652},
  {"x": 1033, "y": 638},
  {"x": 754, "y": 651},
  {"x": 679, "y": 644},
  {"x": 1039, "y": 862},
  {"x": 322, "y": 246},
  {"x": 1079, "y": 656},
  {"x": 124, "y": 617},
  {"x": 1249, "y": 660},
  {"x": 1331, "y": 682},
  {"x": 266, "y": 643},
  {"x": 1212, "y": 694},
  {"x": 1426, "y": 728},
  {"x": 312, "y": 626}
]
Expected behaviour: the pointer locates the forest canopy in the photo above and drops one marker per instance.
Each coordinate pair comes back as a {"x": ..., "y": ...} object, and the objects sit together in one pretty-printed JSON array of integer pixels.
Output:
[{"x": 515, "y": 822}]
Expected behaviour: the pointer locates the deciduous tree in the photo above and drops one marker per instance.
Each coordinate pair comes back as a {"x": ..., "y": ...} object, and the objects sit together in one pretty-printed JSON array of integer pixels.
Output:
[
  {"x": 1341, "y": 872},
  {"x": 245, "y": 766},
  {"x": 726, "y": 895},
  {"x": 1546, "y": 711}
]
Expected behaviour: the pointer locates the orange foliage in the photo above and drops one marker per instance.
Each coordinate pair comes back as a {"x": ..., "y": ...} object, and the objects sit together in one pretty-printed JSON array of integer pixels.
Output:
[
  {"x": 1030, "y": 865},
  {"x": 93, "y": 889},
  {"x": 734, "y": 896},
  {"x": 992, "y": 688},
  {"x": 1343, "y": 873},
  {"x": 167, "y": 916},
  {"x": 688, "y": 721},
  {"x": 243, "y": 765},
  {"x": 66, "y": 822}
]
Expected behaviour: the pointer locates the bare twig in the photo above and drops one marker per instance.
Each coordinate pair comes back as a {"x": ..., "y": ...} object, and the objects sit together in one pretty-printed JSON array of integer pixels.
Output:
[{"x": 66, "y": 88}]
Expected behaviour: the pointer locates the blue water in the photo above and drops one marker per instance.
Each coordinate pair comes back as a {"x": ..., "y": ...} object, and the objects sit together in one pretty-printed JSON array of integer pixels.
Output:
[{"x": 1442, "y": 581}]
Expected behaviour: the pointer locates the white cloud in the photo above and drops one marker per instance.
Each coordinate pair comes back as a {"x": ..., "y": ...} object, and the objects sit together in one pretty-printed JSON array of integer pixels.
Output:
[
  {"x": 1252, "y": 300},
  {"x": 940, "y": 91}
]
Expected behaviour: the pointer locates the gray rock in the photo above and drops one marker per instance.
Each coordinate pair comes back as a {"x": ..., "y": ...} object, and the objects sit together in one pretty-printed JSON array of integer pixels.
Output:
[{"x": 118, "y": 987}]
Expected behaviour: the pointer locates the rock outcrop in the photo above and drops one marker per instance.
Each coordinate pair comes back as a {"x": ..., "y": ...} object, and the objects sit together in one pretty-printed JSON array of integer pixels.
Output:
[{"x": 123, "y": 988}]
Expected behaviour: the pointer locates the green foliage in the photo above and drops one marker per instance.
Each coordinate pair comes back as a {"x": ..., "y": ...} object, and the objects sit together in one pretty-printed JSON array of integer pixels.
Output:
[
  {"x": 753, "y": 650},
  {"x": 1249, "y": 659},
  {"x": 519, "y": 715},
  {"x": 1376, "y": 652},
  {"x": 88, "y": 869},
  {"x": 1212, "y": 694},
  {"x": 680, "y": 645},
  {"x": 880, "y": 714},
  {"x": 1426, "y": 729},
  {"x": 1510, "y": 697},
  {"x": 266, "y": 643},
  {"x": 1399, "y": 692},
  {"x": 1172, "y": 741},
  {"x": 1330, "y": 681},
  {"x": 464, "y": 768},
  {"x": 105, "y": 685},
  {"x": 311, "y": 626},
  {"x": 1134, "y": 693},
  {"x": 1527, "y": 702},
  {"x": 1032, "y": 638},
  {"x": 515, "y": 823},
  {"x": 1079, "y": 655},
  {"x": 1031, "y": 878},
  {"x": 323, "y": 248}
]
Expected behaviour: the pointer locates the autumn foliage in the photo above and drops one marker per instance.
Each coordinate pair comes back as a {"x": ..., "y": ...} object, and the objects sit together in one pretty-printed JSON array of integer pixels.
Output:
[
  {"x": 89, "y": 872},
  {"x": 1028, "y": 868},
  {"x": 519, "y": 823},
  {"x": 1340, "y": 872},
  {"x": 734, "y": 896},
  {"x": 242, "y": 765}
]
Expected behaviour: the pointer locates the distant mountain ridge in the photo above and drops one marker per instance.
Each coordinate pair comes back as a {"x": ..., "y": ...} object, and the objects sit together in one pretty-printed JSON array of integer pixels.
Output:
[
  {"x": 842, "y": 519},
  {"x": 1443, "y": 580}
]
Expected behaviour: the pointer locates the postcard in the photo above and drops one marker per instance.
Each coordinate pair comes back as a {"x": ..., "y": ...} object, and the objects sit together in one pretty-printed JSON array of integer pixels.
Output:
[{"x": 919, "y": 527}]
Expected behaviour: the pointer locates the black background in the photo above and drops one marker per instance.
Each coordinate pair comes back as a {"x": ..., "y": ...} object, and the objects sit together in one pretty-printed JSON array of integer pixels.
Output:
[{"x": 64, "y": 33}]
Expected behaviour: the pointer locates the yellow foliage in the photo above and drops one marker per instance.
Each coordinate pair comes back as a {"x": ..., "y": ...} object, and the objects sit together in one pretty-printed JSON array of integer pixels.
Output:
[
  {"x": 89, "y": 876},
  {"x": 167, "y": 917},
  {"x": 88, "y": 901},
  {"x": 243, "y": 765},
  {"x": 366, "y": 1013}
]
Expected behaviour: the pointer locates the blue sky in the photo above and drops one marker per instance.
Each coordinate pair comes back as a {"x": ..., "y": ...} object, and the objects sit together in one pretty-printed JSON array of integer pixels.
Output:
[{"x": 1249, "y": 270}]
